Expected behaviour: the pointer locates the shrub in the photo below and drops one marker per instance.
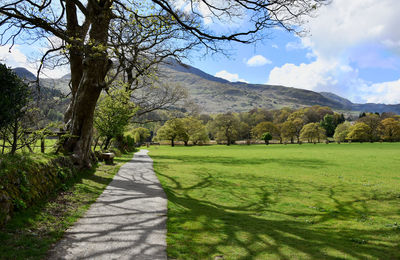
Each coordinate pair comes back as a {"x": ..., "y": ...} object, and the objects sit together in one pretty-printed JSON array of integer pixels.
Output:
[{"x": 266, "y": 137}]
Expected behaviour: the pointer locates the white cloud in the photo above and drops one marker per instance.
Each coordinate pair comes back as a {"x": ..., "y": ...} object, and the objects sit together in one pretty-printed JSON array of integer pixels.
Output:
[
  {"x": 344, "y": 37},
  {"x": 16, "y": 58},
  {"x": 275, "y": 46},
  {"x": 258, "y": 60},
  {"x": 311, "y": 55},
  {"x": 291, "y": 46},
  {"x": 336, "y": 77},
  {"x": 229, "y": 76},
  {"x": 314, "y": 76},
  {"x": 344, "y": 24},
  {"x": 386, "y": 92}
]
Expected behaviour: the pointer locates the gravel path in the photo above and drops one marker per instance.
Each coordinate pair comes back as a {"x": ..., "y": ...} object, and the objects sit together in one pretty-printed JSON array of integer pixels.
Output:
[{"x": 128, "y": 221}]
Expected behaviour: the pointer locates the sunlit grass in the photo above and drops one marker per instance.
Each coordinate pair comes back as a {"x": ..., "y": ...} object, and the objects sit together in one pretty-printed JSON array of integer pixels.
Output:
[
  {"x": 282, "y": 201},
  {"x": 50, "y": 147}
]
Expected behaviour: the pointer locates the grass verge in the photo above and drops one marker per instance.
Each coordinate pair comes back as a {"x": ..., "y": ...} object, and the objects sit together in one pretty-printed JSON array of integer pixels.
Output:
[
  {"x": 282, "y": 201},
  {"x": 30, "y": 234}
]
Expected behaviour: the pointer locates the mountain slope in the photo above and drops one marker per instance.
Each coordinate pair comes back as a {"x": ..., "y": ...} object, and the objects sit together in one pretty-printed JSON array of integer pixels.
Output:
[
  {"x": 24, "y": 74},
  {"x": 341, "y": 100},
  {"x": 216, "y": 95}
]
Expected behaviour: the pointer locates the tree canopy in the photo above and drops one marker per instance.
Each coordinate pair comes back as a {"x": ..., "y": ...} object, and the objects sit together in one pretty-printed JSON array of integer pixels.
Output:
[
  {"x": 14, "y": 96},
  {"x": 341, "y": 132},
  {"x": 112, "y": 115},
  {"x": 172, "y": 130},
  {"x": 226, "y": 126},
  {"x": 312, "y": 132},
  {"x": 359, "y": 132}
]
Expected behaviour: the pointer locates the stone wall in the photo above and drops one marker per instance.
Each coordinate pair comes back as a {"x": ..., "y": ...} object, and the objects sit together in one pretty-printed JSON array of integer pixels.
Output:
[{"x": 26, "y": 180}]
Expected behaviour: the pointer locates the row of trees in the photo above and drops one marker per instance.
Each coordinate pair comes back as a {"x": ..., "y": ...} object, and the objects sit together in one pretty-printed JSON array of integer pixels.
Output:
[
  {"x": 183, "y": 129},
  {"x": 311, "y": 124},
  {"x": 369, "y": 129}
]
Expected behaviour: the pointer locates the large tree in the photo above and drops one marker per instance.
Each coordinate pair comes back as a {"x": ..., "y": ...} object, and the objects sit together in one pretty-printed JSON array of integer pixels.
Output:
[
  {"x": 226, "y": 126},
  {"x": 390, "y": 129},
  {"x": 172, "y": 130},
  {"x": 374, "y": 122},
  {"x": 264, "y": 127},
  {"x": 84, "y": 27},
  {"x": 312, "y": 132},
  {"x": 359, "y": 132},
  {"x": 195, "y": 130},
  {"x": 341, "y": 132}
]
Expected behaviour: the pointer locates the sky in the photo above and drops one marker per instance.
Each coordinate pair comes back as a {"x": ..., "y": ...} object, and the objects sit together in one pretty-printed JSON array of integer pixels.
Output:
[{"x": 352, "y": 49}]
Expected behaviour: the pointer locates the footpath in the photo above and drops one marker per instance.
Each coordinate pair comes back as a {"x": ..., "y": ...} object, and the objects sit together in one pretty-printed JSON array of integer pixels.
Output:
[{"x": 128, "y": 221}]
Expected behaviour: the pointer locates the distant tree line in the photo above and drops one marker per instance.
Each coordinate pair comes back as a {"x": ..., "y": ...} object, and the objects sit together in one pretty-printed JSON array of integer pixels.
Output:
[{"x": 310, "y": 124}]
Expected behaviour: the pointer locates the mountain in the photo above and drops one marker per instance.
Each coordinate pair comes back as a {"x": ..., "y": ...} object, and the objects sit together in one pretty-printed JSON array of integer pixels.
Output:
[
  {"x": 368, "y": 107},
  {"x": 341, "y": 100},
  {"x": 50, "y": 101},
  {"x": 24, "y": 74},
  {"x": 216, "y": 95},
  {"x": 61, "y": 84}
]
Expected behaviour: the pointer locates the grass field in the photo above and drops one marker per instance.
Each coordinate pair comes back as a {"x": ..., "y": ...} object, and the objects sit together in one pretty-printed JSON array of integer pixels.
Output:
[{"x": 282, "y": 201}]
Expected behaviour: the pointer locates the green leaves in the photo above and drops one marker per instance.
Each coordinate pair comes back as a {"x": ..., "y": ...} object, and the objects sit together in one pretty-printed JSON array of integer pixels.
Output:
[
  {"x": 113, "y": 113},
  {"x": 14, "y": 96}
]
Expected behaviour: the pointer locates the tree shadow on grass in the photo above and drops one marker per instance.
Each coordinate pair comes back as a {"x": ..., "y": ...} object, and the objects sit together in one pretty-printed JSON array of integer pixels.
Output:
[
  {"x": 258, "y": 235},
  {"x": 230, "y": 161}
]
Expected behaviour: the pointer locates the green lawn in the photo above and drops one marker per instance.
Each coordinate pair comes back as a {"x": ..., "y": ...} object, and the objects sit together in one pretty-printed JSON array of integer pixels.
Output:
[{"x": 282, "y": 201}]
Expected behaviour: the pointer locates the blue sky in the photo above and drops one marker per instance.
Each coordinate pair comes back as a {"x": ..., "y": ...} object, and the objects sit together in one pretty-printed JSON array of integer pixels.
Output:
[
  {"x": 273, "y": 51},
  {"x": 352, "y": 49}
]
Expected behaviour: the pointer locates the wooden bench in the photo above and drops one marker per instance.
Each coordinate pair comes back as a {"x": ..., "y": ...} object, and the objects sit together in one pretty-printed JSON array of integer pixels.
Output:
[{"x": 108, "y": 158}]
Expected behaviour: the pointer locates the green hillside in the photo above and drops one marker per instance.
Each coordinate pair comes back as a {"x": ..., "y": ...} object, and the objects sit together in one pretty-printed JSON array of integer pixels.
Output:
[{"x": 215, "y": 95}]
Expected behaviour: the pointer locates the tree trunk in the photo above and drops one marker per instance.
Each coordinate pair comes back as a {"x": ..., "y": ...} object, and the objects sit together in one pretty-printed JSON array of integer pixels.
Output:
[
  {"x": 4, "y": 143},
  {"x": 107, "y": 143},
  {"x": 172, "y": 143},
  {"x": 81, "y": 123},
  {"x": 120, "y": 144},
  {"x": 92, "y": 80},
  {"x": 42, "y": 145},
  {"x": 15, "y": 137},
  {"x": 96, "y": 142},
  {"x": 186, "y": 143}
]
